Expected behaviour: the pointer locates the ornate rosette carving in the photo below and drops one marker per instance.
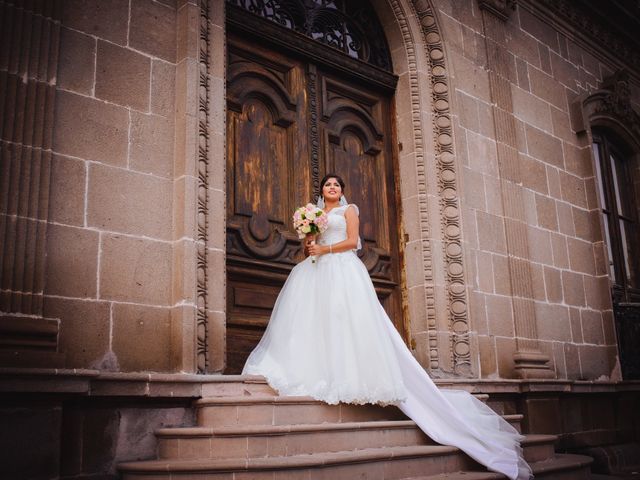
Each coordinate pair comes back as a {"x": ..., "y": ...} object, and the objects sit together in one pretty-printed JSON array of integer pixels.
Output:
[
  {"x": 204, "y": 67},
  {"x": 448, "y": 192}
]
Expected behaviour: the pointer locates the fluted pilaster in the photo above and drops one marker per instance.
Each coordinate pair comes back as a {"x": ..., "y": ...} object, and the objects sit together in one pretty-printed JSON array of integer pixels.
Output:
[
  {"x": 529, "y": 360},
  {"x": 29, "y": 44}
]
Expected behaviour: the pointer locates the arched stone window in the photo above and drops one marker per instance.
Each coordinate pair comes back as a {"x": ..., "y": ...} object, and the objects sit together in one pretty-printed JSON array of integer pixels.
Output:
[{"x": 614, "y": 128}]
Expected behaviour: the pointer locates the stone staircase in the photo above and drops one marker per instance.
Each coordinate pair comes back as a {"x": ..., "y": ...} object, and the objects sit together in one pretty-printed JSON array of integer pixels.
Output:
[{"x": 272, "y": 437}]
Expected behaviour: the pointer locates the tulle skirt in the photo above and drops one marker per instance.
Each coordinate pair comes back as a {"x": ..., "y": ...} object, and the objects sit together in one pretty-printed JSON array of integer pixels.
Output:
[
  {"x": 327, "y": 337},
  {"x": 330, "y": 338}
]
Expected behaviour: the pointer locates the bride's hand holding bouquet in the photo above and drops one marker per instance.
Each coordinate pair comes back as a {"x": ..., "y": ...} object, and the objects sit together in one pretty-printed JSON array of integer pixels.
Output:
[{"x": 310, "y": 221}]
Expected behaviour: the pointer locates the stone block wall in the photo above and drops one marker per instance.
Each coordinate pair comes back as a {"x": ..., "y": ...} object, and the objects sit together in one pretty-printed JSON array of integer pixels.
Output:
[
  {"x": 133, "y": 262},
  {"x": 110, "y": 236},
  {"x": 546, "y": 70}
]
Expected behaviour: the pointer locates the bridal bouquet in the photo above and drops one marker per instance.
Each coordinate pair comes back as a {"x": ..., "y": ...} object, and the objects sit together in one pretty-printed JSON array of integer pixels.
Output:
[{"x": 310, "y": 219}]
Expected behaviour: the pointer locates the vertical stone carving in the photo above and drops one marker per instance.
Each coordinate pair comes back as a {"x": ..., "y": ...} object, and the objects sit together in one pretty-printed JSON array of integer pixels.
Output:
[
  {"x": 30, "y": 35},
  {"x": 460, "y": 349},
  {"x": 423, "y": 211},
  {"x": 204, "y": 81},
  {"x": 529, "y": 361},
  {"x": 312, "y": 88}
]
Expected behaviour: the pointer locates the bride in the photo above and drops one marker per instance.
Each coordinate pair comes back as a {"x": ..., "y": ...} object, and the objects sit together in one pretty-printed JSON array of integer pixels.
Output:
[{"x": 329, "y": 338}]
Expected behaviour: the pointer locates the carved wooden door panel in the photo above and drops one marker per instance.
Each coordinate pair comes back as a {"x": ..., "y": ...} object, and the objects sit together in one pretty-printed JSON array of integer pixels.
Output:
[
  {"x": 288, "y": 123},
  {"x": 267, "y": 177},
  {"x": 355, "y": 133}
]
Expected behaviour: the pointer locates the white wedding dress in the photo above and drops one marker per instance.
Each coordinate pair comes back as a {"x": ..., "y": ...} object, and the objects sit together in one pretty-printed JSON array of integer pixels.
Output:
[{"x": 329, "y": 338}]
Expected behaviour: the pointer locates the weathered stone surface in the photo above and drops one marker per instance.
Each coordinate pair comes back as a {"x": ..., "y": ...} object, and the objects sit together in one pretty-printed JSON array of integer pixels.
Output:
[
  {"x": 135, "y": 270},
  {"x": 505, "y": 349},
  {"x": 76, "y": 64},
  {"x": 67, "y": 190},
  {"x": 163, "y": 84},
  {"x": 151, "y": 144},
  {"x": 581, "y": 256},
  {"x": 129, "y": 202},
  {"x": 573, "y": 288},
  {"x": 553, "y": 322},
  {"x": 595, "y": 361},
  {"x": 545, "y": 87},
  {"x": 531, "y": 110},
  {"x": 491, "y": 233},
  {"x": 500, "y": 315},
  {"x": 546, "y": 212},
  {"x": 142, "y": 337},
  {"x": 106, "y": 19},
  {"x": 488, "y": 364},
  {"x": 534, "y": 174},
  {"x": 153, "y": 29},
  {"x": 553, "y": 285},
  {"x": 72, "y": 262},
  {"x": 90, "y": 129},
  {"x": 123, "y": 76},
  {"x": 573, "y": 189},
  {"x": 544, "y": 147},
  {"x": 84, "y": 331},
  {"x": 543, "y": 415},
  {"x": 592, "y": 327}
]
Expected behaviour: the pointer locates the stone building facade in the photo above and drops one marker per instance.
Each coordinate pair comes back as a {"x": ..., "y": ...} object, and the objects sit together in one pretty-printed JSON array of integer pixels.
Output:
[{"x": 114, "y": 199}]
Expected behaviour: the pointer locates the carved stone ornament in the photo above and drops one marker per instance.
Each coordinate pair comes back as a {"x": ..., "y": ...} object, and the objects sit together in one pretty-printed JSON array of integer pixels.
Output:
[
  {"x": 617, "y": 103},
  {"x": 204, "y": 83},
  {"x": 610, "y": 104},
  {"x": 450, "y": 216},
  {"x": 500, "y": 8}
]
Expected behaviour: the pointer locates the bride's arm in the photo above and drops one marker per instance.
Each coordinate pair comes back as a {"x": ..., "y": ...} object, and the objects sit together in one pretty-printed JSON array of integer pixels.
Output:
[{"x": 350, "y": 243}]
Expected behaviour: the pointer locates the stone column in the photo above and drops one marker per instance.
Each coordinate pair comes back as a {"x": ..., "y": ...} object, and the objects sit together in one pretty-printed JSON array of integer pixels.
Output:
[
  {"x": 530, "y": 362},
  {"x": 29, "y": 42}
]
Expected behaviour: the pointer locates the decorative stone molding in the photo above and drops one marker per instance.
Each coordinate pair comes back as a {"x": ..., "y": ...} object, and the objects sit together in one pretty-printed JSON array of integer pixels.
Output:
[
  {"x": 610, "y": 104},
  {"x": 423, "y": 209},
  {"x": 204, "y": 112},
  {"x": 499, "y": 8},
  {"x": 315, "y": 138},
  {"x": 450, "y": 217}
]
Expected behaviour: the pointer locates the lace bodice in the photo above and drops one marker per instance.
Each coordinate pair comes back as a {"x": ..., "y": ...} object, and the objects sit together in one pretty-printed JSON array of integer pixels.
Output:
[{"x": 337, "y": 229}]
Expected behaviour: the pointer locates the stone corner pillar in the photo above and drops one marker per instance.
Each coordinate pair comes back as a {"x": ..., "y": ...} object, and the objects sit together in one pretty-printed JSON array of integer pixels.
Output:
[
  {"x": 28, "y": 69},
  {"x": 529, "y": 361}
]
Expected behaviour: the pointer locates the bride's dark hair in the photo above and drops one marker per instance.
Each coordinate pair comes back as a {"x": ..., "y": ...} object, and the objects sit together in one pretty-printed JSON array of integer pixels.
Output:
[{"x": 327, "y": 177}]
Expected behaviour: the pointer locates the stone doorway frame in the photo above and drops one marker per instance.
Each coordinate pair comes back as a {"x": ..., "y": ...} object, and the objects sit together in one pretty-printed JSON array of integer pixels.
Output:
[{"x": 430, "y": 212}]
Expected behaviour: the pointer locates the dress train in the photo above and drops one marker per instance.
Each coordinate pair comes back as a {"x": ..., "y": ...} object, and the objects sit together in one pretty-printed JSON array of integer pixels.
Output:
[{"x": 330, "y": 338}]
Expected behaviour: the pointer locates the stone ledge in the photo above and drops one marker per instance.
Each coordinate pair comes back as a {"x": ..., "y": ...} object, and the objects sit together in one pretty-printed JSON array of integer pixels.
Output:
[{"x": 185, "y": 385}]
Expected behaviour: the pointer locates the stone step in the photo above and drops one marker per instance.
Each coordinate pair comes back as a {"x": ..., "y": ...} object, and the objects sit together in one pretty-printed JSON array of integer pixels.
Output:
[
  {"x": 275, "y": 410},
  {"x": 391, "y": 463},
  {"x": 561, "y": 467},
  {"x": 415, "y": 463},
  {"x": 256, "y": 441}
]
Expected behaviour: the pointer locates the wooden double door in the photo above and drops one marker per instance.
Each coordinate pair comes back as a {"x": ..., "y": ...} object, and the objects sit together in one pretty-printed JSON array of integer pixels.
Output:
[{"x": 289, "y": 121}]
